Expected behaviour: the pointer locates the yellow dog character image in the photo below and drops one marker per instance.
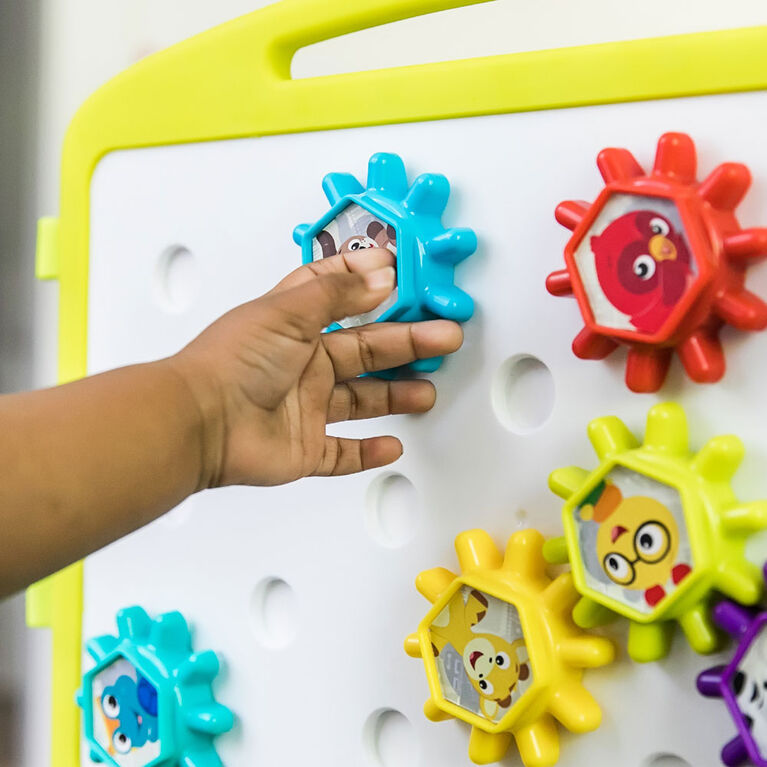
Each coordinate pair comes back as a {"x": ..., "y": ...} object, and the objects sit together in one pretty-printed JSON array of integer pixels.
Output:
[
  {"x": 637, "y": 542},
  {"x": 493, "y": 665}
]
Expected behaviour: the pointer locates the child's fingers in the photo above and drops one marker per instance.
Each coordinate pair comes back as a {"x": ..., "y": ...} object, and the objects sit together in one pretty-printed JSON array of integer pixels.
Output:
[
  {"x": 317, "y": 303},
  {"x": 389, "y": 345},
  {"x": 353, "y": 262},
  {"x": 348, "y": 456},
  {"x": 372, "y": 397}
]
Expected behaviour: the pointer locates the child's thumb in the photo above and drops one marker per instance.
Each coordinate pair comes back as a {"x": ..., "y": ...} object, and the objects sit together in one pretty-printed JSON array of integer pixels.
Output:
[{"x": 332, "y": 297}]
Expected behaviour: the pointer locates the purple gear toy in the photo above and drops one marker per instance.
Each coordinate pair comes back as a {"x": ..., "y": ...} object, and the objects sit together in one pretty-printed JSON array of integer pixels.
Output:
[{"x": 742, "y": 683}]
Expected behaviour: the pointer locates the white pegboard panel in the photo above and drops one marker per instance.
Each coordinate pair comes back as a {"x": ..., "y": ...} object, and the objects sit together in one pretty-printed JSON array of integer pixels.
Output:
[{"x": 307, "y": 590}]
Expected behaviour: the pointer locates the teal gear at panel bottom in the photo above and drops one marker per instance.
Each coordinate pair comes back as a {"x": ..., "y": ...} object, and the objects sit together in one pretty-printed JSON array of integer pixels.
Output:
[
  {"x": 427, "y": 252},
  {"x": 173, "y": 684}
]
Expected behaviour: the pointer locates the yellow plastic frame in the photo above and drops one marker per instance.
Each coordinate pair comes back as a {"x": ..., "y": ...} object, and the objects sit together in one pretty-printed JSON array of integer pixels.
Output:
[{"x": 234, "y": 81}]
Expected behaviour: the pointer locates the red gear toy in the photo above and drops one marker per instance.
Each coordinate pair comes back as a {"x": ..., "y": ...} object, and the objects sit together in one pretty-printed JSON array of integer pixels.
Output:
[{"x": 658, "y": 262}]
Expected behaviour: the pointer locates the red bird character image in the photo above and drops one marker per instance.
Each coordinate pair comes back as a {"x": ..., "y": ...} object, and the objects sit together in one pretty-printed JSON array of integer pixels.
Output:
[{"x": 643, "y": 265}]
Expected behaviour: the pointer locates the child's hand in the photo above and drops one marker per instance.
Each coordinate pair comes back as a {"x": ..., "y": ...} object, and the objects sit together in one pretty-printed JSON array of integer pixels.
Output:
[{"x": 268, "y": 381}]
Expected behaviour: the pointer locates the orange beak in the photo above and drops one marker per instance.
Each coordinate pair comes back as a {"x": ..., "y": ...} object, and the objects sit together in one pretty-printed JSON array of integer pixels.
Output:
[{"x": 662, "y": 249}]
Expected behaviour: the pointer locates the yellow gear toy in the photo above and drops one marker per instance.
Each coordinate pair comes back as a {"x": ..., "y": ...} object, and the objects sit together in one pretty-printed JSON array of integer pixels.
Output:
[
  {"x": 502, "y": 652},
  {"x": 654, "y": 529}
]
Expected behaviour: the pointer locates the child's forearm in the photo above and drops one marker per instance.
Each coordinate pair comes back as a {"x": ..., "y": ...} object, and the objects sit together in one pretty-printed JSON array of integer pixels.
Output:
[{"x": 90, "y": 461}]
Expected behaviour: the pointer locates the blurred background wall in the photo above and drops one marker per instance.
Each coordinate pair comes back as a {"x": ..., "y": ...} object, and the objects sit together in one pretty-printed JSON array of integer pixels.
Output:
[{"x": 53, "y": 53}]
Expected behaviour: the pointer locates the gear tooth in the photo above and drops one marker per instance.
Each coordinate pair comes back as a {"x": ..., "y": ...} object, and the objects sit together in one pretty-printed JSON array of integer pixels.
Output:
[
  {"x": 676, "y": 158},
  {"x": 647, "y": 368},
  {"x": 387, "y": 175},
  {"x": 433, "y": 583},
  {"x": 588, "y": 614},
  {"x": 449, "y": 302},
  {"x": 560, "y": 283},
  {"x": 524, "y": 555},
  {"x": 560, "y": 596},
  {"x": 745, "y": 518},
  {"x": 538, "y": 743},
  {"x": 735, "y": 620},
  {"x": 199, "y": 668},
  {"x": 649, "y": 641},
  {"x": 100, "y": 647},
  {"x": 740, "y": 581},
  {"x": 570, "y": 213},
  {"x": 476, "y": 550},
  {"x": 709, "y": 682},
  {"x": 433, "y": 713},
  {"x": 587, "y": 651},
  {"x": 742, "y": 309},
  {"x": 486, "y": 747},
  {"x": 588, "y": 345},
  {"x": 726, "y": 185},
  {"x": 428, "y": 195},
  {"x": 171, "y": 632},
  {"x": 702, "y": 356},
  {"x": 452, "y": 245},
  {"x": 209, "y": 719},
  {"x": 413, "y": 646},
  {"x": 555, "y": 551},
  {"x": 618, "y": 165},
  {"x": 667, "y": 429},
  {"x": 746, "y": 244},
  {"x": 699, "y": 629},
  {"x": 735, "y": 752},
  {"x": 567, "y": 481},
  {"x": 575, "y": 708},
  {"x": 338, "y": 185},
  {"x": 133, "y": 623},
  {"x": 609, "y": 436},
  {"x": 300, "y": 232},
  {"x": 719, "y": 458}
]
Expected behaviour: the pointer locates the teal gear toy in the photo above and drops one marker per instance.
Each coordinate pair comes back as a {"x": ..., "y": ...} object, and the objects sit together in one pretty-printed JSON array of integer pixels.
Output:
[
  {"x": 148, "y": 700},
  {"x": 406, "y": 219}
]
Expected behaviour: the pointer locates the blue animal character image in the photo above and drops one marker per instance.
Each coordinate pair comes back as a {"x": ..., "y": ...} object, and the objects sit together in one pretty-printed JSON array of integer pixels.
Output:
[{"x": 132, "y": 704}]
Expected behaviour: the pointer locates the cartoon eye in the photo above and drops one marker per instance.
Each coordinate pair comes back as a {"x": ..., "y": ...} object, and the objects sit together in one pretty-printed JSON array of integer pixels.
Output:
[
  {"x": 110, "y": 706},
  {"x": 644, "y": 267},
  {"x": 486, "y": 687},
  {"x": 659, "y": 226},
  {"x": 121, "y": 742},
  {"x": 619, "y": 569},
  {"x": 356, "y": 244},
  {"x": 502, "y": 660},
  {"x": 652, "y": 541}
]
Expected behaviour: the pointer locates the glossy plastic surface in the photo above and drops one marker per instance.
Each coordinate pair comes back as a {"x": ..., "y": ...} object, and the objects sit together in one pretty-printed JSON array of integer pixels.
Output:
[
  {"x": 742, "y": 683},
  {"x": 658, "y": 262},
  {"x": 148, "y": 701},
  {"x": 426, "y": 252},
  {"x": 506, "y": 626},
  {"x": 654, "y": 530}
]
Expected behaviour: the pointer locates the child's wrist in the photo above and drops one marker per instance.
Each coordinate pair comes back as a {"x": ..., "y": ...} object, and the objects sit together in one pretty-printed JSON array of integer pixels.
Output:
[{"x": 207, "y": 410}]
